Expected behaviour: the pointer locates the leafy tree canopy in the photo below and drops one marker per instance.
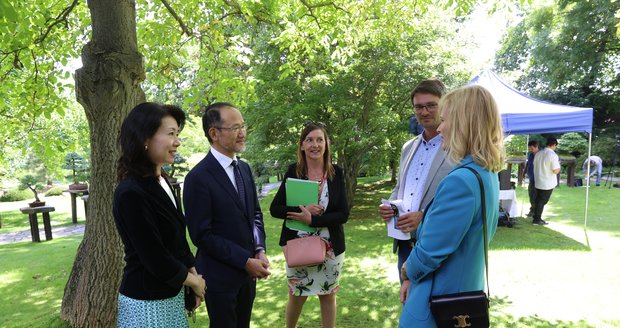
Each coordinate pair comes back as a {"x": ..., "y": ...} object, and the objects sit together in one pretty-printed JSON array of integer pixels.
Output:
[{"x": 568, "y": 53}]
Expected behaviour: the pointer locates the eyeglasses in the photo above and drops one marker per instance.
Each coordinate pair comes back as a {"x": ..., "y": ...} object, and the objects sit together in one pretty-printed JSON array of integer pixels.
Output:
[
  {"x": 234, "y": 129},
  {"x": 431, "y": 107}
]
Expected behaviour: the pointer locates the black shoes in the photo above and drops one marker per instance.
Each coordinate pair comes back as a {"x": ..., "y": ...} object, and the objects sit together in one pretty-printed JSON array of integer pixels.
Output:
[{"x": 540, "y": 222}]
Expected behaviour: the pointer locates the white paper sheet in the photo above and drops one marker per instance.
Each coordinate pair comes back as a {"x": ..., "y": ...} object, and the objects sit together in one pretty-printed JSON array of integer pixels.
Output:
[{"x": 392, "y": 231}]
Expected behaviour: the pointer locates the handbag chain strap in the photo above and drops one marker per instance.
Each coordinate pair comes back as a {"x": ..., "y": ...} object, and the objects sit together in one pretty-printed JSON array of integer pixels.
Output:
[{"x": 484, "y": 225}]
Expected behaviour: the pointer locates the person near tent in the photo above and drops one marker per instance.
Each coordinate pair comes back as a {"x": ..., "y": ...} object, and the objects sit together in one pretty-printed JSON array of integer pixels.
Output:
[
  {"x": 546, "y": 169},
  {"x": 596, "y": 167},
  {"x": 532, "y": 147}
]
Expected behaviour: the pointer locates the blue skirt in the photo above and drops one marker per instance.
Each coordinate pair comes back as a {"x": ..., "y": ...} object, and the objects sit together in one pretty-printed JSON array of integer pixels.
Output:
[{"x": 169, "y": 312}]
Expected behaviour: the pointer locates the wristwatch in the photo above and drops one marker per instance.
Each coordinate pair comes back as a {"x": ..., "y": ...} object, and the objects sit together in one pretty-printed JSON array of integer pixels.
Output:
[{"x": 403, "y": 272}]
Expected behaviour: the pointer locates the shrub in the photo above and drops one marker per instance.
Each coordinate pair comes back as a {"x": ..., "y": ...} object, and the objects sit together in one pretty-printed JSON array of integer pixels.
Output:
[
  {"x": 16, "y": 195},
  {"x": 55, "y": 191}
]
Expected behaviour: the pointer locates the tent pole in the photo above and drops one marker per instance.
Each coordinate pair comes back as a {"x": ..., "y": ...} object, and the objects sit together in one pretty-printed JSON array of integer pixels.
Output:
[
  {"x": 527, "y": 141},
  {"x": 585, "y": 219}
]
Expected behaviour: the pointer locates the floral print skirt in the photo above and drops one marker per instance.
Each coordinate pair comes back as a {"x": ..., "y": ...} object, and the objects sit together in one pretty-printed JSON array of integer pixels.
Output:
[{"x": 321, "y": 279}]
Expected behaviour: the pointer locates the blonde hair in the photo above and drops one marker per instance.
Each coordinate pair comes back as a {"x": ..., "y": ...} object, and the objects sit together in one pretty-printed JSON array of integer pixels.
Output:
[{"x": 474, "y": 127}]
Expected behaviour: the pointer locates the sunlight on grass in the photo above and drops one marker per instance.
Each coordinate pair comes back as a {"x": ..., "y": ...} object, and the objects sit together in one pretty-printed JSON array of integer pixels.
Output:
[
  {"x": 540, "y": 276},
  {"x": 9, "y": 277}
]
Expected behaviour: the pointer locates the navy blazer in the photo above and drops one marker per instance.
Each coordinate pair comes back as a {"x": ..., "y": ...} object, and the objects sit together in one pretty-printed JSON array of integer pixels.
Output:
[
  {"x": 152, "y": 229},
  {"x": 226, "y": 233},
  {"x": 336, "y": 214}
]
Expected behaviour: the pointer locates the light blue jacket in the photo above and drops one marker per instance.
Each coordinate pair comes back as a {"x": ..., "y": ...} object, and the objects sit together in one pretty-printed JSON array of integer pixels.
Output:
[{"x": 450, "y": 242}]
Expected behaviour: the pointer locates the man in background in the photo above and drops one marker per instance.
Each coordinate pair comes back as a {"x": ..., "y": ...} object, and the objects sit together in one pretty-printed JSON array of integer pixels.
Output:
[
  {"x": 532, "y": 147},
  {"x": 546, "y": 169},
  {"x": 596, "y": 167}
]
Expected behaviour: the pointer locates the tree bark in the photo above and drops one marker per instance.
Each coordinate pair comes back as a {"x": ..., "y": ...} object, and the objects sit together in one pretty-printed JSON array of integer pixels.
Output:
[
  {"x": 107, "y": 86},
  {"x": 351, "y": 166},
  {"x": 393, "y": 170}
]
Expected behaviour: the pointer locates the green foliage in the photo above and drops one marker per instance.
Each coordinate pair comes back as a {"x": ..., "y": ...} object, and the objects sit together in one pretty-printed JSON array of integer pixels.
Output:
[
  {"x": 568, "y": 53},
  {"x": 79, "y": 167},
  {"x": 606, "y": 147},
  {"x": 573, "y": 143},
  {"x": 16, "y": 195},
  {"x": 360, "y": 90},
  {"x": 55, "y": 191},
  {"x": 179, "y": 166},
  {"x": 516, "y": 146},
  {"x": 31, "y": 182},
  {"x": 39, "y": 41}
]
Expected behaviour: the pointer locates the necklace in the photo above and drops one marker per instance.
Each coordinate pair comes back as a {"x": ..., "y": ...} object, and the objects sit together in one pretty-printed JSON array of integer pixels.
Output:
[{"x": 316, "y": 177}]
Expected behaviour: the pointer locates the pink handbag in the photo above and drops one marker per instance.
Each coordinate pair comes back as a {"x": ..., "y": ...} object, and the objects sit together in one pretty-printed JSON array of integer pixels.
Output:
[{"x": 305, "y": 251}]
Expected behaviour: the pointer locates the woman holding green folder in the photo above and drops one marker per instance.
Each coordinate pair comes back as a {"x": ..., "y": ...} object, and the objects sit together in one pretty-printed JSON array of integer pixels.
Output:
[{"x": 324, "y": 218}]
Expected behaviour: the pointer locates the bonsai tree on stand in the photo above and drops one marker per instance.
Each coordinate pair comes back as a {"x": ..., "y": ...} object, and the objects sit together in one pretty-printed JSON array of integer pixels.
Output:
[
  {"x": 178, "y": 166},
  {"x": 30, "y": 182},
  {"x": 79, "y": 171}
]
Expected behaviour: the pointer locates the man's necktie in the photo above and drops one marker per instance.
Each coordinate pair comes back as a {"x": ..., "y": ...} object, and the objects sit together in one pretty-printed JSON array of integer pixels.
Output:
[{"x": 239, "y": 182}]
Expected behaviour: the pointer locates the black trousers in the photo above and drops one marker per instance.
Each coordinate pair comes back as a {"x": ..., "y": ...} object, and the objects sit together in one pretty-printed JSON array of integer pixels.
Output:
[
  {"x": 231, "y": 309},
  {"x": 404, "y": 249},
  {"x": 531, "y": 191},
  {"x": 542, "y": 197}
]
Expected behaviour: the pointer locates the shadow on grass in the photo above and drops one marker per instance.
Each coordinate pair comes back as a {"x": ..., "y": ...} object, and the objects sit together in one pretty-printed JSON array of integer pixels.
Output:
[{"x": 523, "y": 236}]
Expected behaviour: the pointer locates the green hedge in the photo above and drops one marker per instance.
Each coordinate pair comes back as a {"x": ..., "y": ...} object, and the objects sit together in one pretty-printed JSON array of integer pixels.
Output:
[
  {"x": 55, "y": 191},
  {"x": 16, "y": 195}
]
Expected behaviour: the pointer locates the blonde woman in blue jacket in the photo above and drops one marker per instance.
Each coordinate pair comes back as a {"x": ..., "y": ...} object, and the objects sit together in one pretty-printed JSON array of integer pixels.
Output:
[{"x": 450, "y": 241}]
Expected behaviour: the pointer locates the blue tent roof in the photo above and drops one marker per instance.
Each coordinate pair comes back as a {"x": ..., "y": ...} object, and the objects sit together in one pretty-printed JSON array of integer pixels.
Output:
[{"x": 524, "y": 115}]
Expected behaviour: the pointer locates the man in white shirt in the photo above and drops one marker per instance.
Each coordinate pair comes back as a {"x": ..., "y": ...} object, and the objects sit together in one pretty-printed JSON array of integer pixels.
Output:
[
  {"x": 596, "y": 167},
  {"x": 546, "y": 169}
]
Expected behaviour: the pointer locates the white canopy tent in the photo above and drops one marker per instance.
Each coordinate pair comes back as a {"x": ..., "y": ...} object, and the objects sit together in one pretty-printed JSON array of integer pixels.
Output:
[{"x": 524, "y": 115}]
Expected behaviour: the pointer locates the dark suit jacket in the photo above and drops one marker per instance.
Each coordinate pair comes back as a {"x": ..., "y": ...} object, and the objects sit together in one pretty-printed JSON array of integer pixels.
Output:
[
  {"x": 336, "y": 214},
  {"x": 226, "y": 234},
  {"x": 152, "y": 229}
]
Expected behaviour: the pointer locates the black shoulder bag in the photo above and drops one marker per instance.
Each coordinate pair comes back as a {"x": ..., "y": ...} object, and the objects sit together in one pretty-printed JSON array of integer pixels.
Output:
[{"x": 468, "y": 309}]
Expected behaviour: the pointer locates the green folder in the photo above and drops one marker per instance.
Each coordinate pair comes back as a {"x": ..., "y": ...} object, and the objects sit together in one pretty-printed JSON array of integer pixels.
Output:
[{"x": 301, "y": 192}]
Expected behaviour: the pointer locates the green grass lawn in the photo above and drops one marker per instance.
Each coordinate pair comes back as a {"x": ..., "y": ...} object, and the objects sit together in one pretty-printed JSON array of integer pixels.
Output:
[{"x": 558, "y": 265}]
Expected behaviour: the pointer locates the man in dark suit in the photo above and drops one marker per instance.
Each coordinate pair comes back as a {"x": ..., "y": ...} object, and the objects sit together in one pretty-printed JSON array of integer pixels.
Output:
[{"x": 225, "y": 221}]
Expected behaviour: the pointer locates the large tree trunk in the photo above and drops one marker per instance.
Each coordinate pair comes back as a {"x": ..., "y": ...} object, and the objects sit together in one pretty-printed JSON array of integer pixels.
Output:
[
  {"x": 393, "y": 170},
  {"x": 351, "y": 166},
  {"x": 107, "y": 86}
]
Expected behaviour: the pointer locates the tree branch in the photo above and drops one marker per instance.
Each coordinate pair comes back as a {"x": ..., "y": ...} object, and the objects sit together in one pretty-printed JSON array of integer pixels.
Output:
[
  {"x": 319, "y": 5},
  {"x": 186, "y": 30},
  {"x": 62, "y": 17}
]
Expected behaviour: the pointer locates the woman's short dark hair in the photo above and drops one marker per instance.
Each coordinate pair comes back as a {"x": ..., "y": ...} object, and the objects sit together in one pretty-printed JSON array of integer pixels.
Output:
[{"x": 142, "y": 123}]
